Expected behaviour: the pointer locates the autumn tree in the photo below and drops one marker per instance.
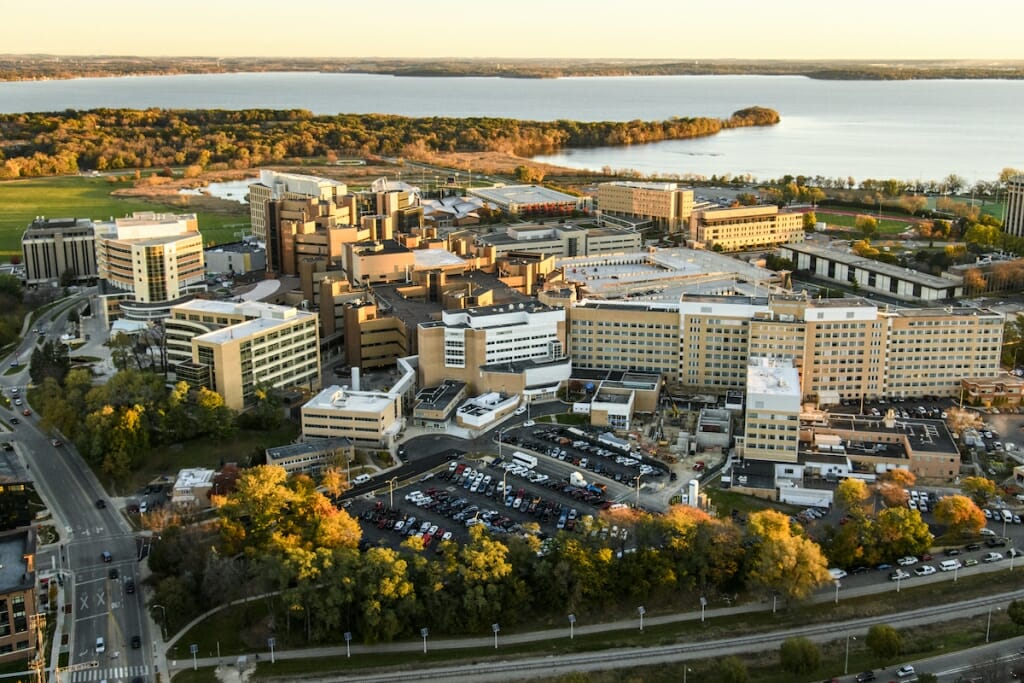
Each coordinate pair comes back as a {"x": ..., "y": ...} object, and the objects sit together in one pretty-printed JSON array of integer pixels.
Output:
[
  {"x": 778, "y": 560},
  {"x": 866, "y": 225},
  {"x": 810, "y": 219},
  {"x": 913, "y": 203},
  {"x": 901, "y": 531},
  {"x": 893, "y": 485},
  {"x": 960, "y": 515},
  {"x": 884, "y": 641},
  {"x": 980, "y": 489},
  {"x": 974, "y": 281},
  {"x": 850, "y": 495}
]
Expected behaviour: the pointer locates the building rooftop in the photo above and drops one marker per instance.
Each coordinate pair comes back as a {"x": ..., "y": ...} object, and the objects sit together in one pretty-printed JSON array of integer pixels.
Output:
[
  {"x": 310, "y": 447},
  {"x": 193, "y": 477},
  {"x": 851, "y": 259},
  {"x": 772, "y": 376},
  {"x": 439, "y": 397},
  {"x": 249, "y": 328},
  {"x": 43, "y": 224},
  {"x": 927, "y": 436},
  {"x": 336, "y": 397},
  {"x": 14, "y": 569},
  {"x": 523, "y": 194},
  {"x": 662, "y": 187},
  {"x": 435, "y": 258}
]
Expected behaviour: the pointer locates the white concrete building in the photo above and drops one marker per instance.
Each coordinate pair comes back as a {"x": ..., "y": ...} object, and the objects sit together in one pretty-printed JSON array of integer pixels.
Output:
[
  {"x": 192, "y": 487},
  {"x": 367, "y": 418}
]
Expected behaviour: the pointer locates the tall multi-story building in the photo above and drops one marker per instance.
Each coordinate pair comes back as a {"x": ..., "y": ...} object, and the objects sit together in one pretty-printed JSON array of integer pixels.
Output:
[
  {"x": 148, "y": 261},
  {"x": 745, "y": 227},
  {"x": 621, "y": 335},
  {"x": 771, "y": 429},
  {"x": 666, "y": 205},
  {"x": 273, "y": 185},
  {"x": 560, "y": 240},
  {"x": 51, "y": 247},
  {"x": 842, "y": 348},
  {"x": 526, "y": 339},
  {"x": 274, "y": 345},
  {"x": 1013, "y": 219}
]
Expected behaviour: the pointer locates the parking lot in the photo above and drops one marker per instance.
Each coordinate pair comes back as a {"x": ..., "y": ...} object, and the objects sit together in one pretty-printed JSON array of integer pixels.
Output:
[{"x": 542, "y": 483}]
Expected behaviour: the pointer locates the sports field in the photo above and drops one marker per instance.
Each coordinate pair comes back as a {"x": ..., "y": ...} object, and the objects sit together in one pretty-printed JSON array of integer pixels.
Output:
[{"x": 79, "y": 197}]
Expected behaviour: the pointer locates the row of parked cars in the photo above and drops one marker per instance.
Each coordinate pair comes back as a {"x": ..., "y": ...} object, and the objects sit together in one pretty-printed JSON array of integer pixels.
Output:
[{"x": 579, "y": 452}]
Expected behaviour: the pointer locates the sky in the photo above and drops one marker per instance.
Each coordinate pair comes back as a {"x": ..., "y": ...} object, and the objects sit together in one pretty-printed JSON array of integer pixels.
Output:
[{"x": 602, "y": 29}]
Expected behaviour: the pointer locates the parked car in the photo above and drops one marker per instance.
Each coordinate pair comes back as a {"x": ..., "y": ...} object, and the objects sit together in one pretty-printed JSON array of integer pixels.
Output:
[
  {"x": 992, "y": 557},
  {"x": 899, "y": 575},
  {"x": 925, "y": 570},
  {"x": 905, "y": 671},
  {"x": 865, "y": 676}
]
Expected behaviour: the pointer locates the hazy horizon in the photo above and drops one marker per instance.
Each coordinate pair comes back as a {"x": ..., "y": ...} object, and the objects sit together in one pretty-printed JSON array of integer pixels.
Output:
[{"x": 570, "y": 29}]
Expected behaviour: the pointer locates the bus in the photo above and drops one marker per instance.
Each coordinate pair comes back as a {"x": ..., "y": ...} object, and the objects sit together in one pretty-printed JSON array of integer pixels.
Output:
[{"x": 520, "y": 458}]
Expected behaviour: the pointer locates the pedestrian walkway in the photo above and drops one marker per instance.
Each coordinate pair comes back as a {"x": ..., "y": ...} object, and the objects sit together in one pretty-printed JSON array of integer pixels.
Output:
[{"x": 109, "y": 673}]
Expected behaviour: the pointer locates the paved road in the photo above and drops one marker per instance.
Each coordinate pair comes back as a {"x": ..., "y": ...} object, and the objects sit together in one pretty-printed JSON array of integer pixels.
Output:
[{"x": 101, "y": 605}]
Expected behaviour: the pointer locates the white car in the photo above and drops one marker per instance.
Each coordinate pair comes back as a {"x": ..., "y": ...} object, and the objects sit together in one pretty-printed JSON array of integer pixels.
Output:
[
  {"x": 837, "y": 574},
  {"x": 529, "y": 423},
  {"x": 899, "y": 575},
  {"x": 101, "y": 646},
  {"x": 521, "y": 410},
  {"x": 925, "y": 570},
  {"x": 992, "y": 557},
  {"x": 906, "y": 561},
  {"x": 447, "y": 536},
  {"x": 905, "y": 671},
  {"x": 413, "y": 495},
  {"x": 985, "y": 531}
]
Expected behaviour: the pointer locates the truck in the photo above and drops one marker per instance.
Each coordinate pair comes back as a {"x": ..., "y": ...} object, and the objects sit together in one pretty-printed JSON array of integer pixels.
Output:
[{"x": 597, "y": 488}]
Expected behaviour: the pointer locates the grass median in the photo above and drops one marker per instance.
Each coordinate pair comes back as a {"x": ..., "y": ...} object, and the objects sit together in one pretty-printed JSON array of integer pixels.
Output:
[{"x": 227, "y": 630}]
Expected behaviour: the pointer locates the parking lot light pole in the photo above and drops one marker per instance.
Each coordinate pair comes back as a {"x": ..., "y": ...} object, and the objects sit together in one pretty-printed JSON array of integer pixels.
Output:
[
  {"x": 839, "y": 584},
  {"x": 638, "y": 489},
  {"x": 846, "y": 662},
  {"x": 686, "y": 670},
  {"x": 988, "y": 627},
  {"x": 899, "y": 577},
  {"x": 391, "y": 490}
]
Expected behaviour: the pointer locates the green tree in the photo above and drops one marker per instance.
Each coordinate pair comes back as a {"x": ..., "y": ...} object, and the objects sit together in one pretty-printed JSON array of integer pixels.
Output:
[
  {"x": 731, "y": 669},
  {"x": 884, "y": 641},
  {"x": 980, "y": 489},
  {"x": 799, "y": 655},
  {"x": 960, "y": 514},
  {"x": 49, "y": 360},
  {"x": 1015, "y": 610}
]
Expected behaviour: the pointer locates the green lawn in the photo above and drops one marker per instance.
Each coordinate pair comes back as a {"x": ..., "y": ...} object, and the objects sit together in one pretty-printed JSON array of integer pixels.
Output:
[
  {"x": 886, "y": 226},
  {"x": 209, "y": 453},
  {"x": 72, "y": 196}
]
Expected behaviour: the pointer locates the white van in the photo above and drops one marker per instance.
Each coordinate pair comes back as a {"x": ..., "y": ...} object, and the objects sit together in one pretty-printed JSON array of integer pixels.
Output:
[
  {"x": 361, "y": 479},
  {"x": 949, "y": 565},
  {"x": 1007, "y": 515}
]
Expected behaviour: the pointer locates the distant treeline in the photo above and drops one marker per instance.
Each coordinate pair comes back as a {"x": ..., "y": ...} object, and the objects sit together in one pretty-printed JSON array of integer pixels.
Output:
[
  {"x": 35, "y": 67},
  {"x": 55, "y": 143}
]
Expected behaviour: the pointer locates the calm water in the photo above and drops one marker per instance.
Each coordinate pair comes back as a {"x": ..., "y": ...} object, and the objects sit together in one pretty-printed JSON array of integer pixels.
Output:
[{"x": 905, "y": 129}]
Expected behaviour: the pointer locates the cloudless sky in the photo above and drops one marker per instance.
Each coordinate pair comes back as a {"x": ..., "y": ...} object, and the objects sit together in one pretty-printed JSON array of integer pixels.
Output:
[{"x": 685, "y": 29}]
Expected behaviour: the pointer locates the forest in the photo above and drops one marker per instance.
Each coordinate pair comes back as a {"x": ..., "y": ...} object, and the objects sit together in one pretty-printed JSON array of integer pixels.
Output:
[
  {"x": 33, "y": 67},
  {"x": 58, "y": 143}
]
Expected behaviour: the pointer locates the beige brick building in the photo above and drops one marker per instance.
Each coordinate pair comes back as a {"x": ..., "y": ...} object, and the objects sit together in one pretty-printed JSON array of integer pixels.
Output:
[
  {"x": 842, "y": 348},
  {"x": 745, "y": 227},
  {"x": 665, "y": 204},
  {"x": 274, "y": 345}
]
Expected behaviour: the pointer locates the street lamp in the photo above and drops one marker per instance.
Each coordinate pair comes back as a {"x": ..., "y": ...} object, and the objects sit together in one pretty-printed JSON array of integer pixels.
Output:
[
  {"x": 839, "y": 584},
  {"x": 391, "y": 490},
  {"x": 846, "y": 662},
  {"x": 642, "y": 612},
  {"x": 572, "y": 625},
  {"x": 500, "y": 433},
  {"x": 638, "y": 489},
  {"x": 899, "y": 577},
  {"x": 988, "y": 627},
  {"x": 686, "y": 670},
  {"x": 703, "y": 604}
]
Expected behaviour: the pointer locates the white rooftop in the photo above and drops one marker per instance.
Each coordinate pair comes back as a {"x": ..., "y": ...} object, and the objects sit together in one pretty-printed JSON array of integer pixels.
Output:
[
  {"x": 433, "y": 258},
  {"x": 524, "y": 194},
  {"x": 193, "y": 477},
  {"x": 336, "y": 397},
  {"x": 248, "y": 328},
  {"x": 772, "y": 376}
]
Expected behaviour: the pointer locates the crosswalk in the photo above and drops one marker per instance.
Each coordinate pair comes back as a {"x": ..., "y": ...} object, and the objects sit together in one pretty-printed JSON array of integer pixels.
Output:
[{"x": 113, "y": 673}]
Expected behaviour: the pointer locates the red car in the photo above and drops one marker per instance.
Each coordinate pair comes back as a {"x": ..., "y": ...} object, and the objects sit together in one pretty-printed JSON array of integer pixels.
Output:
[
  {"x": 699, "y": 466},
  {"x": 26, "y": 412}
]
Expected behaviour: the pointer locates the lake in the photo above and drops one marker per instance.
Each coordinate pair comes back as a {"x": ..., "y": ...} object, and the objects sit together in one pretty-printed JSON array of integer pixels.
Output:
[{"x": 878, "y": 129}]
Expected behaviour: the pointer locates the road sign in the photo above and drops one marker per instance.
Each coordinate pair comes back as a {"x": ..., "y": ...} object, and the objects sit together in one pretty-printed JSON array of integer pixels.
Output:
[{"x": 193, "y": 648}]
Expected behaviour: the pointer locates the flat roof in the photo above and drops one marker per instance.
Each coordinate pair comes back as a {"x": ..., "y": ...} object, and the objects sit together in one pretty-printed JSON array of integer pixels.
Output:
[
  {"x": 310, "y": 447},
  {"x": 435, "y": 258},
  {"x": 772, "y": 376},
  {"x": 851, "y": 259},
  {"x": 440, "y": 396},
  {"x": 524, "y": 194},
  {"x": 924, "y": 436},
  {"x": 336, "y": 397},
  {"x": 248, "y": 328},
  {"x": 14, "y": 573}
]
